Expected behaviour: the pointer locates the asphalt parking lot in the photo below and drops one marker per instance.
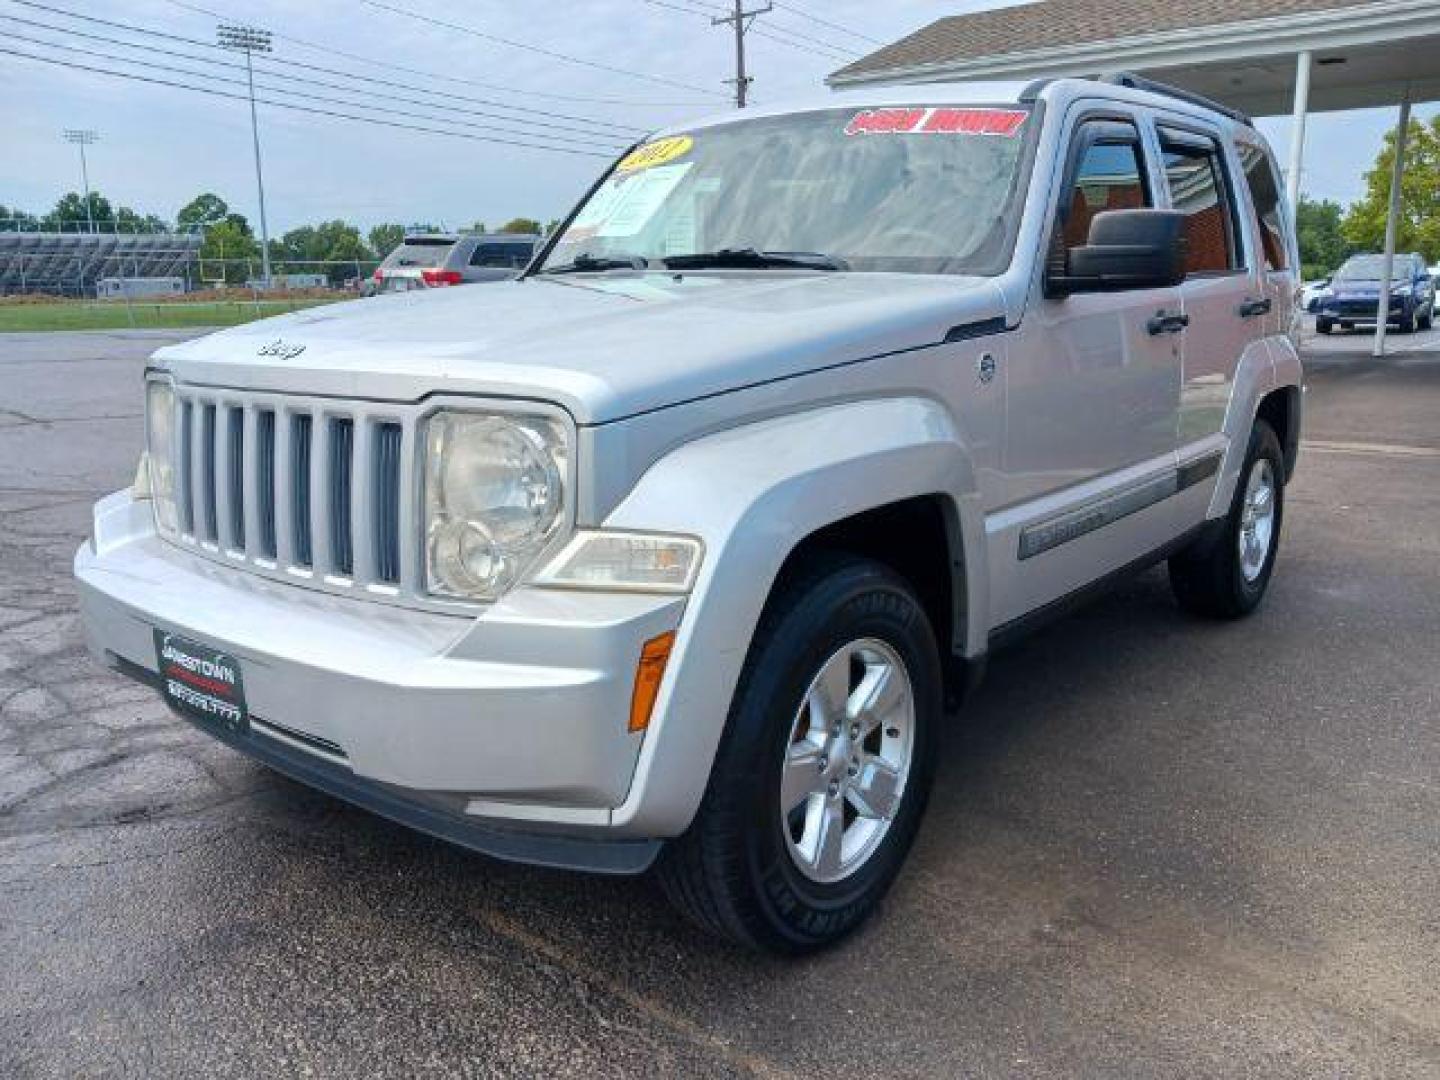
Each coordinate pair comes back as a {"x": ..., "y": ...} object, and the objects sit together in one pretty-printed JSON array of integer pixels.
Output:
[{"x": 1157, "y": 847}]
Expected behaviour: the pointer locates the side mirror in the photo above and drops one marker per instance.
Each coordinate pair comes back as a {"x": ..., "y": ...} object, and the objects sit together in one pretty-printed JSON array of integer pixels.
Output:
[{"x": 1126, "y": 249}]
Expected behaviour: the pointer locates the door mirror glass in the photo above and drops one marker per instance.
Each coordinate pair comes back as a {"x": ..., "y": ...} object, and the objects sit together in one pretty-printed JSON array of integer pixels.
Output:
[{"x": 1126, "y": 249}]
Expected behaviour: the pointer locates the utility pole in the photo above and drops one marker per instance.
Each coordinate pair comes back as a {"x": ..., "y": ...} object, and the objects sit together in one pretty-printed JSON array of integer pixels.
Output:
[
  {"x": 249, "y": 40},
  {"x": 741, "y": 20},
  {"x": 82, "y": 138}
]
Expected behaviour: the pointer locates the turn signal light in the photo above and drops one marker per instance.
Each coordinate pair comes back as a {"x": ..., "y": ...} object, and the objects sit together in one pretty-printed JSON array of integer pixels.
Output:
[{"x": 653, "y": 657}]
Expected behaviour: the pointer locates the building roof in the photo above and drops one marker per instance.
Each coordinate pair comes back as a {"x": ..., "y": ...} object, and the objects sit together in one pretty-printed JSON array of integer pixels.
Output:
[
  {"x": 1368, "y": 52},
  {"x": 1057, "y": 23}
]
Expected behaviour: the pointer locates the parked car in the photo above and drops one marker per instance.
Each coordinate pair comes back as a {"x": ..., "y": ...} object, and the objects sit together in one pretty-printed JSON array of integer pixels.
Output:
[
  {"x": 1355, "y": 295},
  {"x": 437, "y": 259},
  {"x": 670, "y": 552},
  {"x": 1313, "y": 292}
]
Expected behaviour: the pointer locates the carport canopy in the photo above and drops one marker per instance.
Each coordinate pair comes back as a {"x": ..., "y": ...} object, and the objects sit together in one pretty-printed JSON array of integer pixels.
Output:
[{"x": 1263, "y": 57}]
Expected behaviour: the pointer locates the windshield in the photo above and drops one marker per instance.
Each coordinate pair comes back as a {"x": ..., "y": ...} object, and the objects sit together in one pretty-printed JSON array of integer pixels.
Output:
[
  {"x": 1372, "y": 268},
  {"x": 914, "y": 189}
]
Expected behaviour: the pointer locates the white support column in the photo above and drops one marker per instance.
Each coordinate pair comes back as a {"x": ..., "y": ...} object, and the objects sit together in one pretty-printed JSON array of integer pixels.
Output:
[
  {"x": 1392, "y": 221},
  {"x": 1297, "y": 130}
]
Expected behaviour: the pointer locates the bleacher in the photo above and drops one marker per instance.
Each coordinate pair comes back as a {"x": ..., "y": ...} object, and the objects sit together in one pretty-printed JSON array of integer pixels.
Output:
[{"x": 71, "y": 263}]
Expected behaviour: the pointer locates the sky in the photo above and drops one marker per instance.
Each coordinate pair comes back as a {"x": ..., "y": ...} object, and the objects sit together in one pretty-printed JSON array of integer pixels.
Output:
[{"x": 642, "y": 64}]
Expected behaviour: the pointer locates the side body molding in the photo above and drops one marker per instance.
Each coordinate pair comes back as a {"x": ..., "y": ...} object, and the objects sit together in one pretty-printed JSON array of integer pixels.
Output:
[{"x": 752, "y": 494}]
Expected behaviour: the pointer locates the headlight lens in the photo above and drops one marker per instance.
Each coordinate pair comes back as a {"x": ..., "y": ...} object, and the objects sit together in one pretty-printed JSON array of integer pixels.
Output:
[
  {"x": 160, "y": 442},
  {"x": 625, "y": 562},
  {"x": 495, "y": 498}
]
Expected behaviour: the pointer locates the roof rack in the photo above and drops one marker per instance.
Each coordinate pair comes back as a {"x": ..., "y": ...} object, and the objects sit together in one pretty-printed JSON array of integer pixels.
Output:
[{"x": 1139, "y": 82}]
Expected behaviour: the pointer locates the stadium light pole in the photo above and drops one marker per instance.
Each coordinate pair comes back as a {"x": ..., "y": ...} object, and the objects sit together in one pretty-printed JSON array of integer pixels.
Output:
[
  {"x": 83, "y": 137},
  {"x": 249, "y": 40}
]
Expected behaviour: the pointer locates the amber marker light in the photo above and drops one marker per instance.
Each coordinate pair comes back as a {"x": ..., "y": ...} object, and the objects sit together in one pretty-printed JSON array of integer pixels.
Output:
[{"x": 648, "y": 673}]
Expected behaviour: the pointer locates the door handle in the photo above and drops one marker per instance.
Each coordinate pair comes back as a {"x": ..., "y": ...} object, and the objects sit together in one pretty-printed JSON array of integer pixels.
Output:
[
  {"x": 1167, "y": 322},
  {"x": 1252, "y": 307}
]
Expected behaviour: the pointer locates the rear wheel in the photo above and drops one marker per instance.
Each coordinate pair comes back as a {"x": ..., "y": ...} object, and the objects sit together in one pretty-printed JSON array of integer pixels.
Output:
[
  {"x": 822, "y": 776},
  {"x": 1224, "y": 574}
]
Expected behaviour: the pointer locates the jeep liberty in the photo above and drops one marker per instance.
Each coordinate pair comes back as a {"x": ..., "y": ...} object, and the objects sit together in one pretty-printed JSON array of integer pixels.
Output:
[{"x": 672, "y": 552}]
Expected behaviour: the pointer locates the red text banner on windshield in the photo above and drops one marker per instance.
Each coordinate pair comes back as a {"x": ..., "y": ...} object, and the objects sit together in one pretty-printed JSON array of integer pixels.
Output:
[{"x": 937, "y": 120}]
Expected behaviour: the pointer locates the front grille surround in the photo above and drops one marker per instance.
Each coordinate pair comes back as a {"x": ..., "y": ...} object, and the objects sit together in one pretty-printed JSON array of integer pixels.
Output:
[{"x": 320, "y": 492}]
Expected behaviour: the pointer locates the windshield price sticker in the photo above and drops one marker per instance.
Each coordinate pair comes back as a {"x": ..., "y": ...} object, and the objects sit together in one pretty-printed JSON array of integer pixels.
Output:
[
  {"x": 940, "y": 120},
  {"x": 656, "y": 153}
]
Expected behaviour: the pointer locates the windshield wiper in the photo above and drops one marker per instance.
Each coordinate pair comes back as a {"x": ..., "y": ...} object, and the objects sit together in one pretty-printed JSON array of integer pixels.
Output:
[
  {"x": 585, "y": 263},
  {"x": 747, "y": 258}
]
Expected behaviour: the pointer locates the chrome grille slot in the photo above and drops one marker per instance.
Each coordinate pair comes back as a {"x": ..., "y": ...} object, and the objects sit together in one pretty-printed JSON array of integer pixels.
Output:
[
  {"x": 185, "y": 478},
  {"x": 300, "y": 490},
  {"x": 265, "y": 481},
  {"x": 386, "y": 503},
  {"x": 207, "y": 474},
  {"x": 341, "y": 446},
  {"x": 235, "y": 468}
]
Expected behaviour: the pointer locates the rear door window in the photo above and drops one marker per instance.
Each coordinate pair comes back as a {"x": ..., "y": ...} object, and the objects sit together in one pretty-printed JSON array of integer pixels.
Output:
[
  {"x": 502, "y": 255},
  {"x": 1195, "y": 175}
]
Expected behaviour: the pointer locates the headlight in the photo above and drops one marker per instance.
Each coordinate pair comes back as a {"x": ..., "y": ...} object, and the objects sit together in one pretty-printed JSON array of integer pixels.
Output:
[
  {"x": 625, "y": 562},
  {"x": 1403, "y": 290},
  {"x": 160, "y": 443},
  {"x": 495, "y": 499}
]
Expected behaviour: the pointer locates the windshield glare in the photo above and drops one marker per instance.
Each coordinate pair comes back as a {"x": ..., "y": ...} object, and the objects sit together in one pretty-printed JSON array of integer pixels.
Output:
[{"x": 912, "y": 189}]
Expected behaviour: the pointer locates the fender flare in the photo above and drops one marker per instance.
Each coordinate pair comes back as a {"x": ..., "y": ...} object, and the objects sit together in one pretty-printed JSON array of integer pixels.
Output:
[
  {"x": 1266, "y": 366},
  {"x": 752, "y": 494}
]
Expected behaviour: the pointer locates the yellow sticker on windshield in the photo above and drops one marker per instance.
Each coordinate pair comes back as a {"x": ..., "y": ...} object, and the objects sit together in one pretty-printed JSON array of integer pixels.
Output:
[{"x": 656, "y": 153}]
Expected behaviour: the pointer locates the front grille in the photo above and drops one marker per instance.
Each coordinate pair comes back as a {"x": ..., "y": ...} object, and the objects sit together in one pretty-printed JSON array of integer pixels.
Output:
[{"x": 314, "y": 491}]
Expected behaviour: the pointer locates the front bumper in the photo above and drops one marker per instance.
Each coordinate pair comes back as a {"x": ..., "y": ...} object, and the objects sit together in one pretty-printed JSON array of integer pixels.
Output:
[
  {"x": 1363, "y": 309},
  {"x": 505, "y": 731}
]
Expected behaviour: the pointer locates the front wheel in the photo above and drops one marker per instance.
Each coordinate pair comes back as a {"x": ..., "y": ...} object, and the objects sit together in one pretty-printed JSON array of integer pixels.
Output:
[
  {"x": 822, "y": 775},
  {"x": 1224, "y": 574},
  {"x": 1324, "y": 326}
]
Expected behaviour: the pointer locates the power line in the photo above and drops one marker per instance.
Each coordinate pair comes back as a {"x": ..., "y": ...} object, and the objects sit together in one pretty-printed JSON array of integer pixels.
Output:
[
  {"x": 331, "y": 50},
  {"x": 587, "y": 142},
  {"x": 146, "y": 31},
  {"x": 495, "y": 38},
  {"x": 620, "y": 134},
  {"x": 802, "y": 13},
  {"x": 298, "y": 108}
]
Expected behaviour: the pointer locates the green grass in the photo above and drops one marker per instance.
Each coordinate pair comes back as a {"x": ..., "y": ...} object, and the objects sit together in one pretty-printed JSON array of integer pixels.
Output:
[{"x": 117, "y": 315}]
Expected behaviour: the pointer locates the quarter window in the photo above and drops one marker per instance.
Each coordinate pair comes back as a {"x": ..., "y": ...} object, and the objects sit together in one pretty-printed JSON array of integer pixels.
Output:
[
  {"x": 1196, "y": 179},
  {"x": 1265, "y": 194}
]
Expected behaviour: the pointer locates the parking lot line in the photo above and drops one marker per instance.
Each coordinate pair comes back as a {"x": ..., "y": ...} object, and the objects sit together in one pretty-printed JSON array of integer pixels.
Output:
[{"x": 1325, "y": 447}]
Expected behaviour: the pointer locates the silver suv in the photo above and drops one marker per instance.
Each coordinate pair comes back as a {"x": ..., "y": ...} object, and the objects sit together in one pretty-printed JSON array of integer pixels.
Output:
[
  {"x": 672, "y": 552},
  {"x": 432, "y": 260}
]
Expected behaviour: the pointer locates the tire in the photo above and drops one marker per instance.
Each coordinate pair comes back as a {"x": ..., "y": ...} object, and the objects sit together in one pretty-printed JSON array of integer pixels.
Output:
[
  {"x": 1409, "y": 323},
  {"x": 1214, "y": 577},
  {"x": 739, "y": 871},
  {"x": 1427, "y": 321},
  {"x": 1324, "y": 326}
]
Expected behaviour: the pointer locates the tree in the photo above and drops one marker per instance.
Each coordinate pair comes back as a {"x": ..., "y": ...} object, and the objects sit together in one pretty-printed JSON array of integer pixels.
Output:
[
  {"x": 306, "y": 249},
  {"x": 13, "y": 219},
  {"x": 132, "y": 221},
  {"x": 205, "y": 209},
  {"x": 1322, "y": 244},
  {"x": 522, "y": 225},
  {"x": 69, "y": 213},
  {"x": 385, "y": 238},
  {"x": 1419, "y": 222},
  {"x": 227, "y": 248}
]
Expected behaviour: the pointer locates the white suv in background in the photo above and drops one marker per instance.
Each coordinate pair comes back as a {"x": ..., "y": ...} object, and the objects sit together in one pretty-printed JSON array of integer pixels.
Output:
[{"x": 671, "y": 552}]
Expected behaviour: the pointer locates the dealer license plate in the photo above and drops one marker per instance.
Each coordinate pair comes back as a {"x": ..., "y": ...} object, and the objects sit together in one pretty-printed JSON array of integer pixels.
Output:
[{"x": 202, "y": 682}]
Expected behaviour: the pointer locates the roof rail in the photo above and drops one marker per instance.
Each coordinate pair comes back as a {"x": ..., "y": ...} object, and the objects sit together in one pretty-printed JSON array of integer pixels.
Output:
[{"x": 1139, "y": 82}]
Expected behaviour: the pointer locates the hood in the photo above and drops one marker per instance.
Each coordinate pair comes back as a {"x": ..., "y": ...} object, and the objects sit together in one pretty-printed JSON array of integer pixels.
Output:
[{"x": 603, "y": 347}]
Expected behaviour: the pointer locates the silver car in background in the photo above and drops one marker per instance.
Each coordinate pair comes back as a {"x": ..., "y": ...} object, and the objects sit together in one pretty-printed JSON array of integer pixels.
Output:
[{"x": 430, "y": 260}]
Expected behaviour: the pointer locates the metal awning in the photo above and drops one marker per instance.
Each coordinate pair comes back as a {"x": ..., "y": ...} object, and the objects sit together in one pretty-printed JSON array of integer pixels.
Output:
[{"x": 1264, "y": 57}]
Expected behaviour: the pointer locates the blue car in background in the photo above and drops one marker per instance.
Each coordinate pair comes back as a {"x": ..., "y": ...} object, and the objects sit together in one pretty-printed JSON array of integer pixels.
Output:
[{"x": 1355, "y": 294}]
